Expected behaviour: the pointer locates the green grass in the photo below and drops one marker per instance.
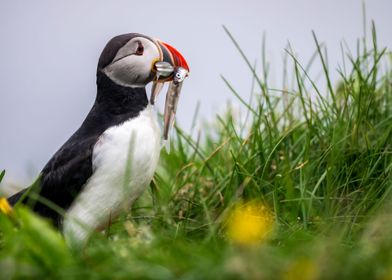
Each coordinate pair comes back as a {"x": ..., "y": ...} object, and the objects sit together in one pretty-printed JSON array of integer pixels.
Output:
[{"x": 320, "y": 159}]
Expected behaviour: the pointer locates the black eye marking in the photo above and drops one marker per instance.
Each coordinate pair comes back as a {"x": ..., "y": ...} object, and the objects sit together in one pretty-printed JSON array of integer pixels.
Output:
[
  {"x": 139, "y": 51},
  {"x": 140, "y": 48}
]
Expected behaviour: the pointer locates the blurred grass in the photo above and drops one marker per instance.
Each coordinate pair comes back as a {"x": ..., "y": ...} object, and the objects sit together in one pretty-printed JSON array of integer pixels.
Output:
[{"x": 318, "y": 160}]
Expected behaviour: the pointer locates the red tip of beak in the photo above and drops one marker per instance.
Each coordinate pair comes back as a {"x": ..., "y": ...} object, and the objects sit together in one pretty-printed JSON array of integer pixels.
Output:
[{"x": 178, "y": 58}]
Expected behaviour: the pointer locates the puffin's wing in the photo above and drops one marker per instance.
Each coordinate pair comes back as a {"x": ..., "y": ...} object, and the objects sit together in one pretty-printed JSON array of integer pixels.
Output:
[
  {"x": 63, "y": 176},
  {"x": 68, "y": 170}
]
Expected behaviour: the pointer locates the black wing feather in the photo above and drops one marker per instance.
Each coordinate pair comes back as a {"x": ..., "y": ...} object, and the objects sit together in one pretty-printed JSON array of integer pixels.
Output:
[{"x": 62, "y": 178}]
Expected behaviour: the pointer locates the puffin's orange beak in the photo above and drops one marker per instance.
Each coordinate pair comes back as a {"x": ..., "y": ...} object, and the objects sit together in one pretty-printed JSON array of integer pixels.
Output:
[
  {"x": 170, "y": 58},
  {"x": 176, "y": 58}
]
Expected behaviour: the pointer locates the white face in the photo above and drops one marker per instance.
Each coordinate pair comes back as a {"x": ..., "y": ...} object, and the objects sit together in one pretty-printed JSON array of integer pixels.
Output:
[{"x": 133, "y": 63}]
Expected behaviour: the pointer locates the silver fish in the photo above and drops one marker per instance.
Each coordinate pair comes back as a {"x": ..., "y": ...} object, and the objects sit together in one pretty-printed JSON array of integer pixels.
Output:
[
  {"x": 163, "y": 69},
  {"x": 172, "y": 97},
  {"x": 155, "y": 90}
]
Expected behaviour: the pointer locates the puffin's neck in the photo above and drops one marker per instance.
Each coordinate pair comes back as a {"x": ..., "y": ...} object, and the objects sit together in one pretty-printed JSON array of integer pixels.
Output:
[{"x": 116, "y": 99}]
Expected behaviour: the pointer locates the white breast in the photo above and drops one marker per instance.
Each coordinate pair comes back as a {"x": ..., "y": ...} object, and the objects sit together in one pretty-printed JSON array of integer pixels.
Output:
[{"x": 124, "y": 161}]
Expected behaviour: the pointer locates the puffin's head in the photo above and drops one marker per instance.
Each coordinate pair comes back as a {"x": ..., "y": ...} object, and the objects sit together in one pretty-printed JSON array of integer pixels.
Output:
[
  {"x": 134, "y": 60},
  {"x": 130, "y": 60}
]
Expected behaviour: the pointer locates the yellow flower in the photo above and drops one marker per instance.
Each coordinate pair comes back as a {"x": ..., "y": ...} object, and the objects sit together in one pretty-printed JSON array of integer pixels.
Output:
[
  {"x": 249, "y": 223},
  {"x": 5, "y": 207}
]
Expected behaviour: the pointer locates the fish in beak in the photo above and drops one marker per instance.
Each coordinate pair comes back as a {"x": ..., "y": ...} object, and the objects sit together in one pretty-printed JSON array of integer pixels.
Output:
[{"x": 171, "y": 68}]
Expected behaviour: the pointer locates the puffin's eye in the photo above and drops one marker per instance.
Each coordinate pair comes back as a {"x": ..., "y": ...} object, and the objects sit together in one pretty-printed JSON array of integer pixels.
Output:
[{"x": 140, "y": 48}]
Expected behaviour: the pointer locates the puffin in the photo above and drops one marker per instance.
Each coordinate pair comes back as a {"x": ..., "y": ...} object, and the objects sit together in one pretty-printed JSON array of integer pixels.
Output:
[{"x": 111, "y": 158}]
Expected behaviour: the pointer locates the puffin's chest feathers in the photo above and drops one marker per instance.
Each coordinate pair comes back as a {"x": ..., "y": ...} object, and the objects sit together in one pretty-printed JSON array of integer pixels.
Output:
[
  {"x": 124, "y": 161},
  {"x": 127, "y": 154}
]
